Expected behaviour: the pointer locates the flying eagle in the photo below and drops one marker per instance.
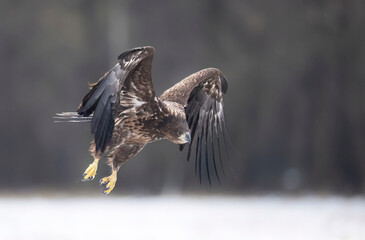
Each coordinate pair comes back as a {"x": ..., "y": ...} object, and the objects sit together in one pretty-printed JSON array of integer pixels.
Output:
[{"x": 126, "y": 114}]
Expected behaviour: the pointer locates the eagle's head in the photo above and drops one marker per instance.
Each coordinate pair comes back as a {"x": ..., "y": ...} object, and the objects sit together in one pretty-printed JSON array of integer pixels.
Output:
[
  {"x": 177, "y": 131},
  {"x": 174, "y": 126},
  {"x": 182, "y": 138}
]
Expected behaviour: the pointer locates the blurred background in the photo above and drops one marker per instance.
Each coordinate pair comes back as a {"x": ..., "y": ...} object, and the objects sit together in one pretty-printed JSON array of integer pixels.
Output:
[{"x": 295, "y": 105}]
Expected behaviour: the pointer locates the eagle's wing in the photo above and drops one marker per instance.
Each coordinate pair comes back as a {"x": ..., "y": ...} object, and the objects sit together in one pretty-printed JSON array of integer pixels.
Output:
[
  {"x": 132, "y": 77},
  {"x": 201, "y": 95}
]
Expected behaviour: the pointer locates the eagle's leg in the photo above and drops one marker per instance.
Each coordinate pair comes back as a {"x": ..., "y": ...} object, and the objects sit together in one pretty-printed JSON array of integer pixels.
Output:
[
  {"x": 90, "y": 172},
  {"x": 116, "y": 159},
  {"x": 107, "y": 184}
]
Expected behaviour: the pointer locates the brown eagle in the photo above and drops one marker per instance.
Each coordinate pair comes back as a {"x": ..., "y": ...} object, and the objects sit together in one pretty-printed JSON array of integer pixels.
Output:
[{"x": 126, "y": 114}]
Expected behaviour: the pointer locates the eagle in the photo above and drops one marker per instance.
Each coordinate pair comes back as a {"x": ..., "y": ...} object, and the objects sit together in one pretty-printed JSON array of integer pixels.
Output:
[{"x": 126, "y": 114}]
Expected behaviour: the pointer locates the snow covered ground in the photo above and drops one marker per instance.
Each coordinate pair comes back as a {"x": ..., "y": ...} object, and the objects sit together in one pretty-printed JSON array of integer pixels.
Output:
[{"x": 182, "y": 217}]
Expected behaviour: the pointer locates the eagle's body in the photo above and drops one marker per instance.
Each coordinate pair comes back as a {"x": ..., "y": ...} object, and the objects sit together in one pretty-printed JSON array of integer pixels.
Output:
[
  {"x": 132, "y": 132},
  {"x": 126, "y": 114}
]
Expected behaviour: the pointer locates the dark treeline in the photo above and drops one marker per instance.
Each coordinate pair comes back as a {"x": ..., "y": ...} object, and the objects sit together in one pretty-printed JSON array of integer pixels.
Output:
[{"x": 295, "y": 105}]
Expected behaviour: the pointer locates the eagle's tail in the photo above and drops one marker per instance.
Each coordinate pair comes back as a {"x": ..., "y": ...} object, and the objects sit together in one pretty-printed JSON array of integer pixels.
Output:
[{"x": 71, "y": 117}]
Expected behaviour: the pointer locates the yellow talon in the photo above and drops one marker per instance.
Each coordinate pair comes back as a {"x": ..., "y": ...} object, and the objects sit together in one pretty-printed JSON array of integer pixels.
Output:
[
  {"x": 107, "y": 184},
  {"x": 90, "y": 172}
]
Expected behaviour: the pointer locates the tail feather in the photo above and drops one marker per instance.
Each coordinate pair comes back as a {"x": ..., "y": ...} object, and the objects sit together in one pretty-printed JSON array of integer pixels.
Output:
[{"x": 71, "y": 117}]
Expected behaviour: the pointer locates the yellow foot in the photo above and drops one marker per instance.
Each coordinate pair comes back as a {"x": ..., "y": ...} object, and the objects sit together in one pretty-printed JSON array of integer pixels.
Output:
[
  {"x": 90, "y": 172},
  {"x": 108, "y": 183}
]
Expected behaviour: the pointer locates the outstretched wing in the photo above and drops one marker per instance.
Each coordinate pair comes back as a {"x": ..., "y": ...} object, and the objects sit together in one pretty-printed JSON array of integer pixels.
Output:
[
  {"x": 126, "y": 85},
  {"x": 202, "y": 96}
]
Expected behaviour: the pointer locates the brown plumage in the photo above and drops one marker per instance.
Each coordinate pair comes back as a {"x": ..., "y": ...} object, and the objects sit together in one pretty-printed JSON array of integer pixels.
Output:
[{"x": 126, "y": 115}]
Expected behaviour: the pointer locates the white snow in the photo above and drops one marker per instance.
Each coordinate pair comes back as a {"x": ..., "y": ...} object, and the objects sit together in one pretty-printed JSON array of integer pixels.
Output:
[{"x": 182, "y": 217}]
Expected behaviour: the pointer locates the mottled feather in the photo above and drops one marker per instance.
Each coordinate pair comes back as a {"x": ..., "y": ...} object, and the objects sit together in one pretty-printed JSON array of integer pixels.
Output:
[
  {"x": 117, "y": 91},
  {"x": 126, "y": 115},
  {"x": 202, "y": 96}
]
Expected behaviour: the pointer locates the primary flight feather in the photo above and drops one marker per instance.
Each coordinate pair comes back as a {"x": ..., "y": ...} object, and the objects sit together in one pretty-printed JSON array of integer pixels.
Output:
[{"x": 126, "y": 115}]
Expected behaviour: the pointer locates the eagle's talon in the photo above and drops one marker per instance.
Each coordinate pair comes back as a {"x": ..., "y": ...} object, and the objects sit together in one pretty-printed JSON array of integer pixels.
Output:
[
  {"x": 87, "y": 179},
  {"x": 104, "y": 193},
  {"x": 90, "y": 172},
  {"x": 103, "y": 185},
  {"x": 107, "y": 184}
]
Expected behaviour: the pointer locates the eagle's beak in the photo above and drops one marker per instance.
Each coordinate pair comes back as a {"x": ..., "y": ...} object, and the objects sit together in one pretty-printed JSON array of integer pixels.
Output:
[{"x": 187, "y": 137}]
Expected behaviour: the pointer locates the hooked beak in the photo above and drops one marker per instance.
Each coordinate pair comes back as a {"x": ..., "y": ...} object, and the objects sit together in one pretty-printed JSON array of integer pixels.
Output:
[
  {"x": 183, "y": 138},
  {"x": 187, "y": 137}
]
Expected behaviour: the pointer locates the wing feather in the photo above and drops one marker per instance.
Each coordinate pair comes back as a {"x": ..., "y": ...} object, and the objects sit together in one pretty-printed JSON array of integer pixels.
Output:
[
  {"x": 206, "y": 148},
  {"x": 132, "y": 77},
  {"x": 202, "y": 96}
]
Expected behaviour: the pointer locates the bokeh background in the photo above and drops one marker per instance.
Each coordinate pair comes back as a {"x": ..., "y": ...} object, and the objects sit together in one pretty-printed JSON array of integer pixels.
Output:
[
  {"x": 295, "y": 112},
  {"x": 295, "y": 106}
]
